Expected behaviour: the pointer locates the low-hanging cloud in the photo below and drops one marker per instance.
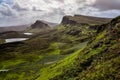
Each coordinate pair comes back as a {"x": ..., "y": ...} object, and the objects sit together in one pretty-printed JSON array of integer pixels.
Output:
[{"x": 14, "y": 12}]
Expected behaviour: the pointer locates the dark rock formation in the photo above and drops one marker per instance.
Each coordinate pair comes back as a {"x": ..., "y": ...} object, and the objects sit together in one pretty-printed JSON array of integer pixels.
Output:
[
  {"x": 39, "y": 24},
  {"x": 99, "y": 28},
  {"x": 84, "y": 20},
  {"x": 71, "y": 21}
]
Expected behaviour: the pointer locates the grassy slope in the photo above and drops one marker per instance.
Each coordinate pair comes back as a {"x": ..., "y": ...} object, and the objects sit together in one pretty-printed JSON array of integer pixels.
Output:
[
  {"x": 100, "y": 59},
  {"x": 25, "y": 59},
  {"x": 57, "y": 68},
  {"x": 27, "y": 66},
  {"x": 49, "y": 53},
  {"x": 1, "y": 41}
]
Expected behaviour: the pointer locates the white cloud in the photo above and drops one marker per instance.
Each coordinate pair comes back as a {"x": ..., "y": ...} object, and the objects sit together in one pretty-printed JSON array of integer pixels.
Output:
[{"x": 26, "y": 11}]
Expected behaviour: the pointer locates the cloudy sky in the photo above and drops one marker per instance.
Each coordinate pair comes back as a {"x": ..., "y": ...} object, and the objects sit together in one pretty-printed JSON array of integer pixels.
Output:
[{"x": 15, "y": 12}]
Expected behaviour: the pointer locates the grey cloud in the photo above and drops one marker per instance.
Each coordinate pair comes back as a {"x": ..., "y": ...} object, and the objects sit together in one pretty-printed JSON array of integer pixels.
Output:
[
  {"x": 17, "y": 7},
  {"x": 47, "y": 1},
  {"x": 6, "y": 10},
  {"x": 107, "y": 4},
  {"x": 80, "y": 1},
  {"x": 59, "y": 11},
  {"x": 35, "y": 9},
  {"x": 62, "y": 1}
]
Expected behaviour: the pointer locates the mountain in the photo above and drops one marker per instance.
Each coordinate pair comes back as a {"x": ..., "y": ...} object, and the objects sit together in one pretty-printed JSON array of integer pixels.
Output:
[
  {"x": 51, "y": 24},
  {"x": 98, "y": 60},
  {"x": 14, "y": 28},
  {"x": 67, "y": 52},
  {"x": 84, "y": 20},
  {"x": 40, "y": 24}
]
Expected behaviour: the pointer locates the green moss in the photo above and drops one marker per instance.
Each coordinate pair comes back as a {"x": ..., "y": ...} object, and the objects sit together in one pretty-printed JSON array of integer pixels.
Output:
[
  {"x": 101, "y": 35},
  {"x": 57, "y": 68},
  {"x": 53, "y": 49},
  {"x": 2, "y": 41},
  {"x": 8, "y": 63},
  {"x": 104, "y": 71}
]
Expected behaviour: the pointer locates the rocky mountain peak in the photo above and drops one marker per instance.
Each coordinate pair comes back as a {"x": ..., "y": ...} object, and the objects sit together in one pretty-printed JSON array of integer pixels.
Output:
[{"x": 40, "y": 24}]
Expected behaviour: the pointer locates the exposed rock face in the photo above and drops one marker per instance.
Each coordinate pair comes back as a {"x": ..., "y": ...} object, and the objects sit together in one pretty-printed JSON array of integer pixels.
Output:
[
  {"x": 84, "y": 20},
  {"x": 39, "y": 24},
  {"x": 71, "y": 21},
  {"x": 99, "y": 28},
  {"x": 66, "y": 20}
]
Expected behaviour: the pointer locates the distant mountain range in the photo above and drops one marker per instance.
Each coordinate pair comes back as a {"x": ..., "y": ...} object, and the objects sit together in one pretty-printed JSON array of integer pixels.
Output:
[
  {"x": 14, "y": 28},
  {"x": 38, "y": 24}
]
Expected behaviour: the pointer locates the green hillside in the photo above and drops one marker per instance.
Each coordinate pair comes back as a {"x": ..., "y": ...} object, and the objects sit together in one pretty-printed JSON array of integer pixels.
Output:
[
  {"x": 66, "y": 52},
  {"x": 99, "y": 60}
]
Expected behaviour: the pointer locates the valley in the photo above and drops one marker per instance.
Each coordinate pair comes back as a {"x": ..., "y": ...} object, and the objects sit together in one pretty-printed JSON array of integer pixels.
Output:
[{"x": 80, "y": 48}]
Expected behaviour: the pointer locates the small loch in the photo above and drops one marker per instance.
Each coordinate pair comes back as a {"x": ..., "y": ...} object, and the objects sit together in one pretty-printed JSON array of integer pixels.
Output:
[
  {"x": 15, "y": 40},
  {"x": 28, "y": 34}
]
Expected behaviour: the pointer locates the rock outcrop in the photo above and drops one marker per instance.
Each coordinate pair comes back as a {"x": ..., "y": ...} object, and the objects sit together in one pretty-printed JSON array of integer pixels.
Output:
[
  {"x": 84, "y": 20},
  {"x": 39, "y": 24}
]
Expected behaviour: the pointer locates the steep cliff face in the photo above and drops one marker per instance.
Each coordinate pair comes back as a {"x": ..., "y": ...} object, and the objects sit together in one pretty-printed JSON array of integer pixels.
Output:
[
  {"x": 40, "y": 25},
  {"x": 84, "y": 20},
  {"x": 68, "y": 20}
]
